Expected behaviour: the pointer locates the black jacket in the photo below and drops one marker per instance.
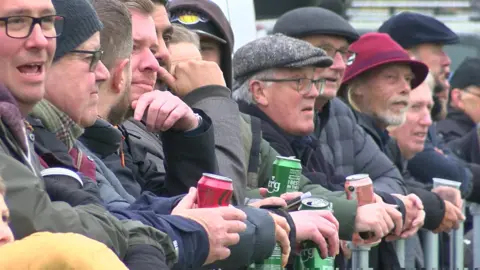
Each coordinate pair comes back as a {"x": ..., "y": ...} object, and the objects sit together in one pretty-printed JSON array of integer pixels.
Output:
[
  {"x": 314, "y": 167},
  {"x": 434, "y": 206},
  {"x": 193, "y": 150},
  {"x": 456, "y": 125}
]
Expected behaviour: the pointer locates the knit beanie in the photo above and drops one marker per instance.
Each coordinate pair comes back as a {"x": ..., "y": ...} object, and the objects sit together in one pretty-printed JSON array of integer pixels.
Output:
[{"x": 81, "y": 22}]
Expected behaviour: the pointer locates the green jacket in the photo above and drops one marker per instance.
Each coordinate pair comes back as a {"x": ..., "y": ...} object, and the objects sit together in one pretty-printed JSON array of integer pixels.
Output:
[
  {"x": 31, "y": 209},
  {"x": 259, "y": 172}
]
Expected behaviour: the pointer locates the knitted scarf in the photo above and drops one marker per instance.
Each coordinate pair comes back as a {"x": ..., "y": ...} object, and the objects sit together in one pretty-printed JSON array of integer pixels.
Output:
[{"x": 57, "y": 122}]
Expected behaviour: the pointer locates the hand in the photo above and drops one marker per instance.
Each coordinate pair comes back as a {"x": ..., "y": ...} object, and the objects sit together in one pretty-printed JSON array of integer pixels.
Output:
[
  {"x": 274, "y": 201},
  {"x": 282, "y": 231},
  {"x": 286, "y": 196},
  {"x": 187, "y": 202},
  {"x": 379, "y": 218},
  {"x": 222, "y": 224},
  {"x": 191, "y": 74},
  {"x": 319, "y": 226},
  {"x": 415, "y": 216},
  {"x": 450, "y": 194},
  {"x": 452, "y": 218},
  {"x": 162, "y": 111}
]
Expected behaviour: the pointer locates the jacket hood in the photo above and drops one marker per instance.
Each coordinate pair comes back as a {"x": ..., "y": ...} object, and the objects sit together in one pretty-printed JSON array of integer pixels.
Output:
[
  {"x": 102, "y": 137},
  {"x": 216, "y": 15}
]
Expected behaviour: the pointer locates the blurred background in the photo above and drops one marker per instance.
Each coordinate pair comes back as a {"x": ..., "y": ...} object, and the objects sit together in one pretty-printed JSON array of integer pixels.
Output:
[{"x": 254, "y": 18}]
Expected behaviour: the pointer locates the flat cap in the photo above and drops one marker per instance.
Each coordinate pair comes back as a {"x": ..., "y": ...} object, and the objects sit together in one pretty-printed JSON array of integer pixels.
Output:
[
  {"x": 410, "y": 29},
  {"x": 466, "y": 74},
  {"x": 276, "y": 51},
  {"x": 307, "y": 21}
]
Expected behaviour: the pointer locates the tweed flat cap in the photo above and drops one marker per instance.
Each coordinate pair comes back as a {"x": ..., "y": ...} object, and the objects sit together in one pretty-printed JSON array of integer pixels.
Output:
[{"x": 276, "y": 51}]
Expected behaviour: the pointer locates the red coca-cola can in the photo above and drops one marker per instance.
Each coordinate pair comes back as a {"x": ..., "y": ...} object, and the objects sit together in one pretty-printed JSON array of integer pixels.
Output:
[
  {"x": 360, "y": 187},
  {"x": 214, "y": 191}
]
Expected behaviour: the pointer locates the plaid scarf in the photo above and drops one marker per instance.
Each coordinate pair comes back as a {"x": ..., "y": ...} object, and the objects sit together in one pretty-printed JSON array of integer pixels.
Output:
[{"x": 57, "y": 122}]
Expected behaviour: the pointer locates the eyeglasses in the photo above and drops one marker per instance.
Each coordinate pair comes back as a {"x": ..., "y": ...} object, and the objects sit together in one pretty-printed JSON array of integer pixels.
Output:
[
  {"x": 22, "y": 26},
  {"x": 96, "y": 57},
  {"x": 332, "y": 51},
  {"x": 303, "y": 85}
]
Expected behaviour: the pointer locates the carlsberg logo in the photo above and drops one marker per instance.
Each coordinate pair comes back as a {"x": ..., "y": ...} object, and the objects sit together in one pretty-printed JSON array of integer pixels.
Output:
[{"x": 273, "y": 186}]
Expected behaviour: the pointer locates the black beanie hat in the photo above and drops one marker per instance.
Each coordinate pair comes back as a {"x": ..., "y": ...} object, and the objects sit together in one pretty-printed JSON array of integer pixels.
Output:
[
  {"x": 81, "y": 22},
  {"x": 307, "y": 21}
]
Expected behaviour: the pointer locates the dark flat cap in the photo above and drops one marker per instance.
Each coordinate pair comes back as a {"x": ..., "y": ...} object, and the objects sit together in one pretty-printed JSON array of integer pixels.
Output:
[
  {"x": 467, "y": 74},
  {"x": 410, "y": 29},
  {"x": 276, "y": 51},
  {"x": 307, "y": 21}
]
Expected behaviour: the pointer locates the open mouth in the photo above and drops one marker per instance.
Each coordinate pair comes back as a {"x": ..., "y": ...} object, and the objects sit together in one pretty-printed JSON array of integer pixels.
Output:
[
  {"x": 31, "y": 69},
  {"x": 421, "y": 135}
]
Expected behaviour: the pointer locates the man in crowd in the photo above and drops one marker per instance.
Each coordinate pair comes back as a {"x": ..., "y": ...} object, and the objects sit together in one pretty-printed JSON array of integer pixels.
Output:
[
  {"x": 258, "y": 172},
  {"x": 464, "y": 104},
  {"x": 410, "y": 136},
  {"x": 64, "y": 118},
  {"x": 379, "y": 92},
  {"x": 343, "y": 143},
  {"x": 26, "y": 57},
  {"x": 116, "y": 100},
  {"x": 425, "y": 41}
]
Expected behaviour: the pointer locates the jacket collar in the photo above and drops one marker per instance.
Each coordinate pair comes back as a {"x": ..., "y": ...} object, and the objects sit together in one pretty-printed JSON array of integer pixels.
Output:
[
  {"x": 367, "y": 122},
  {"x": 461, "y": 118},
  {"x": 10, "y": 115},
  {"x": 102, "y": 138},
  {"x": 297, "y": 142},
  {"x": 57, "y": 122},
  {"x": 322, "y": 117},
  {"x": 253, "y": 110}
]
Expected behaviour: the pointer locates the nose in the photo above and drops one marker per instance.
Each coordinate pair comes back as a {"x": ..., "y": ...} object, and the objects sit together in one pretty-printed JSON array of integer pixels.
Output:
[
  {"x": 6, "y": 235},
  {"x": 37, "y": 39},
  {"x": 426, "y": 119},
  {"x": 406, "y": 86},
  {"x": 149, "y": 62},
  {"x": 446, "y": 61},
  {"x": 338, "y": 63},
  {"x": 101, "y": 72},
  {"x": 314, "y": 91}
]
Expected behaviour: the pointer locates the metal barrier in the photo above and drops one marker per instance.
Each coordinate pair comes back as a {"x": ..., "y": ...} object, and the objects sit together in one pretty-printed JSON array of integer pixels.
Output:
[
  {"x": 475, "y": 211},
  {"x": 360, "y": 257},
  {"x": 431, "y": 247}
]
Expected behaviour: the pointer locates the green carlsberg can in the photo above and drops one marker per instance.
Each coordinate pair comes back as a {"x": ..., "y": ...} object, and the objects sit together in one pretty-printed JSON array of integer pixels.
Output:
[
  {"x": 285, "y": 176},
  {"x": 310, "y": 256}
]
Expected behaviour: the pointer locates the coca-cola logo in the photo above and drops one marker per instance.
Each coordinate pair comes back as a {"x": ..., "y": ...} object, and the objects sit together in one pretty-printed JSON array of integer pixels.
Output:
[{"x": 225, "y": 198}]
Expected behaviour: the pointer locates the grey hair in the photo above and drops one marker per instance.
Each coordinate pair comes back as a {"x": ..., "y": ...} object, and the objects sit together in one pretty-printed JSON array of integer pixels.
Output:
[
  {"x": 182, "y": 34},
  {"x": 242, "y": 92},
  {"x": 430, "y": 81}
]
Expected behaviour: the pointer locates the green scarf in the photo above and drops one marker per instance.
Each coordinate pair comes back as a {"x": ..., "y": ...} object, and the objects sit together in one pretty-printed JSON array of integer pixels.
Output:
[{"x": 57, "y": 122}]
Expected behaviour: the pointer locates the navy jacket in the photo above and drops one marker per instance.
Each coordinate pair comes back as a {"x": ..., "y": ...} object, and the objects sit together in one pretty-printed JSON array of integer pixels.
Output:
[{"x": 190, "y": 237}]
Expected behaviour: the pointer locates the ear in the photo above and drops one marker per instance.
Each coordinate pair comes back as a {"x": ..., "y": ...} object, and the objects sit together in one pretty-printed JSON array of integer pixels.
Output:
[
  {"x": 118, "y": 76},
  {"x": 456, "y": 98},
  {"x": 258, "y": 92}
]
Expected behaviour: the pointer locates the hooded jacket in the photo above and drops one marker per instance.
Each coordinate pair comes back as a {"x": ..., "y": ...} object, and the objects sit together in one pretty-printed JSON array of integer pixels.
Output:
[
  {"x": 31, "y": 208},
  {"x": 220, "y": 21}
]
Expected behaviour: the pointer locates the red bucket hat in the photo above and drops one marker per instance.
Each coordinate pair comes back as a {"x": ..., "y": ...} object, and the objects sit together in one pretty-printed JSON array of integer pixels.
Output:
[{"x": 376, "y": 49}]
